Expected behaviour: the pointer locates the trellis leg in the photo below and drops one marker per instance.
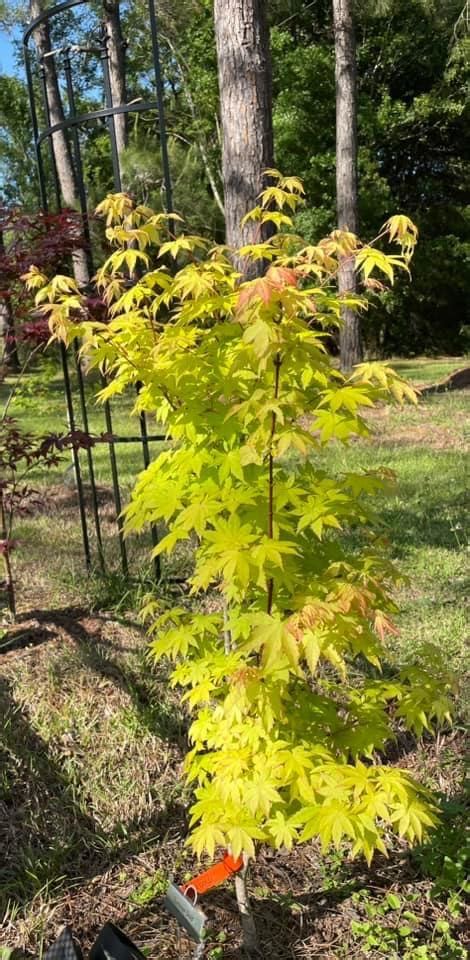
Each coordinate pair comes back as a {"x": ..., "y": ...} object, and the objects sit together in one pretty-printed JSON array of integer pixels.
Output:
[
  {"x": 78, "y": 366},
  {"x": 34, "y": 123},
  {"x": 116, "y": 490},
  {"x": 89, "y": 455},
  {"x": 75, "y": 457},
  {"x": 72, "y": 123},
  {"x": 146, "y": 454}
]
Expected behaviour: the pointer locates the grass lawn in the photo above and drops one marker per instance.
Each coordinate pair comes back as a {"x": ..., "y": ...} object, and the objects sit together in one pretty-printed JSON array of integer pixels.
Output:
[
  {"x": 92, "y": 813},
  {"x": 422, "y": 370}
]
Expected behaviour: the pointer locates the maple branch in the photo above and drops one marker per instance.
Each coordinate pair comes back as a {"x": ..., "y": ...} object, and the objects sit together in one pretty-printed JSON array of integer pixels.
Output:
[
  {"x": 250, "y": 935},
  {"x": 277, "y": 379}
]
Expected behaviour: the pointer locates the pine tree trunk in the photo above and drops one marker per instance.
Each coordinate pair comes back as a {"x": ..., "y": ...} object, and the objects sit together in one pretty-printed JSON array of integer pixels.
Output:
[
  {"x": 244, "y": 69},
  {"x": 346, "y": 167},
  {"x": 117, "y": 68},
  {"x": 61, "y": 147}
]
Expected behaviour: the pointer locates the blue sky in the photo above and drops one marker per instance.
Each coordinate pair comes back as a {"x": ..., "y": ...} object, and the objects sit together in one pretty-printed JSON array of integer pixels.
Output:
[{"x": 7, "y": 53}]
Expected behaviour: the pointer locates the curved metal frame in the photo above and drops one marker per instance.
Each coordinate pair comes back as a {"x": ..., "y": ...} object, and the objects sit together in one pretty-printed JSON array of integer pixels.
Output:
[
  {"x": 71, "y": 124},
  {"x": 109, "y": 111}
]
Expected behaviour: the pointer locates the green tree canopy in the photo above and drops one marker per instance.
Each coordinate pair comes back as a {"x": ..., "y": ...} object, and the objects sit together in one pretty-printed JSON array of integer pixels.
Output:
[{"x": 414, "y": 136}]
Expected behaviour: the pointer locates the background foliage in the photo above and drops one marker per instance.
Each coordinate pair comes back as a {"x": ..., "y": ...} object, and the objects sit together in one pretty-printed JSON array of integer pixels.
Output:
[{"x": 413, "y": 137}]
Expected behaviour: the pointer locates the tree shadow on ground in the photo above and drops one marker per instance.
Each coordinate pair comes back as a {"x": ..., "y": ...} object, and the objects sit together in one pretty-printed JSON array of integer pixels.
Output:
[
  {"x": 47, "y": 834},
  {"x": 95, "y": 653},
  {"x": 45, "y": 829},
  {"x": 416, "y": 523}
]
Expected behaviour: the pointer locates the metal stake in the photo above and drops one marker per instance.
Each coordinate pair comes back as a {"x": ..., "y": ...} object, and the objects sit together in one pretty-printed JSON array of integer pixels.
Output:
[
  {"x": 116, "y": 490},
  {"x": 75, "y": 456},
  {"x": 146, "y": 457}
]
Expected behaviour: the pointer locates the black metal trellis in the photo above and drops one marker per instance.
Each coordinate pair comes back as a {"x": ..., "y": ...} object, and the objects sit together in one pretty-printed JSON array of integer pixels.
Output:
[{"x": 71, "y": 126}]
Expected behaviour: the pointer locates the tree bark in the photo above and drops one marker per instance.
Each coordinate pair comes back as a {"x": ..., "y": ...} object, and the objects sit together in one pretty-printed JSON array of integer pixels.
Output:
[
  {"x": 346, "y": 168},
  {"x": 60, "y": 144},
  {"x": 117, "y": 68},
  {"x": 9, "y": 359},
  {"x": 244, "y": 69}
]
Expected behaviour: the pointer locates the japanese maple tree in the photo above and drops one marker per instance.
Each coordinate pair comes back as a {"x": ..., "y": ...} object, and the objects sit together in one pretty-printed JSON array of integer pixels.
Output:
[
  {"x": 48, "y": 240},
  {"x": 279, "y": 648},
  {"x": 45, "y": 239}
]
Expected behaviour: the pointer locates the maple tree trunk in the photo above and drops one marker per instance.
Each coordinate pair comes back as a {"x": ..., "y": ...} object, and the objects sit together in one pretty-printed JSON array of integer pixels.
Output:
[
  {"x": 250, "y": 935},
  {"x": 117, "y": 68},
  {"x": 346, "y": 168},
  {"x": 60, "y": 144},
  {"x": 244, "y": 69}
]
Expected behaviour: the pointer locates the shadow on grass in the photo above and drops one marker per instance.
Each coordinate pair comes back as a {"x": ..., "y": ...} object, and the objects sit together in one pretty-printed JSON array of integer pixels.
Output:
[
  {"x": 420, "y": 522},
  {"x": 162, "y": 720},
  {"x": 444, "y": 858},
  {"x": 46, "y": 831},
  {"x": 47, "y": 834}
]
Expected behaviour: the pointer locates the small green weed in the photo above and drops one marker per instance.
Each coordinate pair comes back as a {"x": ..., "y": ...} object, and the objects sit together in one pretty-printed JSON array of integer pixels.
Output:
[
  {"x": 335, "y": 874},
  {"x": 149, "y": 888},
  {"x": 446, "y": 857},
  {"x": 390, "y": 929},
  {"x": 218, "y": 952},
  {"x": 5, "y": 953}
]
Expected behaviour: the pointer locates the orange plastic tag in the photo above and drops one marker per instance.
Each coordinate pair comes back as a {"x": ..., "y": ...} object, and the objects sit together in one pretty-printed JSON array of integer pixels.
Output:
[{"x": 214, "y": 876}]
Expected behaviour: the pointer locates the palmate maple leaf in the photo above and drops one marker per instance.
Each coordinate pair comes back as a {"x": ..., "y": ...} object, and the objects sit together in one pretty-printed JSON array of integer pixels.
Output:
[
  {"x": 266, "y": 288},
  {"x": 260, "y": 289},
  {"x": 383, "y": 625},
  {"x": 281, "y": 277}
]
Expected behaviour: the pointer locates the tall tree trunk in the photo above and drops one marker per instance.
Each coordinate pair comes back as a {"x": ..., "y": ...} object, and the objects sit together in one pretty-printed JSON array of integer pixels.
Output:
[
  {"x": 60, "y": 144},
  {"x": 9, "y": 358},
  {"x": 244, "y": 68},
  {"x": 245, "y": 87},
  {"x": 346, "y": 168},
  {"x": 117, "y": 68}
]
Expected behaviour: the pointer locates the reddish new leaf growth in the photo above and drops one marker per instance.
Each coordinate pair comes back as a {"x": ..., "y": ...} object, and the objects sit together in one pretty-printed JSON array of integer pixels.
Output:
[
  {"x": 266, "y": 288},
  {"x": 280, "y": 277}
]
